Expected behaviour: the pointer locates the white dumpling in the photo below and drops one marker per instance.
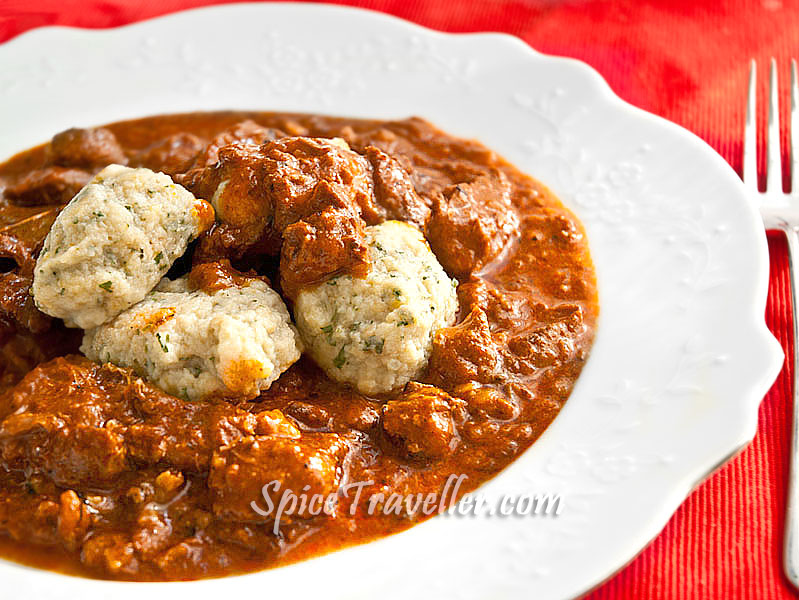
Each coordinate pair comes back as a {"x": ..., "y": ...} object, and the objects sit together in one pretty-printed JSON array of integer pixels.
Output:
[
  {"x": 376, "y": 332},
  {"x": 113, "y": 243}
]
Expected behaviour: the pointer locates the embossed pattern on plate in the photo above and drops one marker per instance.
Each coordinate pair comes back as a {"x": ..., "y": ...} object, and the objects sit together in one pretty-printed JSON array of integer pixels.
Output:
[{"x": 682, "y": 356}]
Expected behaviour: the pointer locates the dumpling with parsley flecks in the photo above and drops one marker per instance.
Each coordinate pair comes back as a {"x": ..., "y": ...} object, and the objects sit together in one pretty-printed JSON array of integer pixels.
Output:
[
  {"x": 376, "y": 332},
  {"x": 192, "y": 339},
  {"x": 113, "y": 243}
]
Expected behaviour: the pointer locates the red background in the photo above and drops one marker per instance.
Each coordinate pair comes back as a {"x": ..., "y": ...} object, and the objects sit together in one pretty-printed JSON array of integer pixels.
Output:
[{"x": 687, "y": 61}]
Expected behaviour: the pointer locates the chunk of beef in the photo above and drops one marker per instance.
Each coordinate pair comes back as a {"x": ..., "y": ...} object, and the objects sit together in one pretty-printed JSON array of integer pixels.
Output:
[
  {"x": 486, "y": 402},
  {"x": 466, "y": 352},
  {"x": 471, "y": 223},
  {"x": 19, "y": 255},
  {"x": 550, "y": 344},
  {"x": 182, "y": 434},
  {"x": 17, "y": 305},
  {"x": 171, "y": 155},
  {"x": 423, "y": 421},
  {"x": 78, "y": 422},
  {"x": 47, "y": 186},
  {"x": 186, "y": 434},
  {"x": 322, "y": 246},
  {"x": 90, "y": 149},
  {"x": 309, "y": 415},
  {"x": 550, "y": 335},
  {"x": 235, "y": 186},
  {"x": 224, "y": 240},
  {"x": 307, "y": 175},
  {"x": 505, "y": 308},
  {"x": 19, "y": 242},
  {"x": 310, "y": 464},
  {"x": 308, "y": 192},
  {"x": 276, "y": 184},
  {"x": 67, "y": 422},
  {"x": 395, "y": 195},
  {"x": 314, "y": 404},
  {"x": 27, "y": 335}
]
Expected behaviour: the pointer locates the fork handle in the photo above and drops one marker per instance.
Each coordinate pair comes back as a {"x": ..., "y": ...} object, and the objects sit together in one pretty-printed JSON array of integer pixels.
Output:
[{"x": 791, "y": 554}]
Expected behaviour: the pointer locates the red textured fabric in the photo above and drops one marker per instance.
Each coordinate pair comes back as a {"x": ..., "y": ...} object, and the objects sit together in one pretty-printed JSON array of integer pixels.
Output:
[{"x": 687, "y": 61}]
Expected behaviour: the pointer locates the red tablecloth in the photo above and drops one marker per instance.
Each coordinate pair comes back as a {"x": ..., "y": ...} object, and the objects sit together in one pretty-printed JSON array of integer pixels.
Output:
[{"x": 684, "y": 60}]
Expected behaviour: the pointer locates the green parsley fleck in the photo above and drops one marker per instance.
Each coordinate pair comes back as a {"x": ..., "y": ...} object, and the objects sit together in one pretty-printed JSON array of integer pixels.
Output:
[
  {"x": 340, "y": 359},
  {"x": 328, "y": 331},
  {"x": 158, "y": 258},
  {"x": 106, "y": 285},
  {"x": 374, "y": 343},
  {"x": 160, "y": 343}
]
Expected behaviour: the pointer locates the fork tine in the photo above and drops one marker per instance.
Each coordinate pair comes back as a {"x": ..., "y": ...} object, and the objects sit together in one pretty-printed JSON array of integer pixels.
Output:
[
  {"x": 773, "y": 164},
  {"x": 750, "y": 132},
  {"x": 794, "y": 128}
]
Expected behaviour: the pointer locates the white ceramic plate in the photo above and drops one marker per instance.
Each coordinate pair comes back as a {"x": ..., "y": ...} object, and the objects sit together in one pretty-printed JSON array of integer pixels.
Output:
[{"x": 682, "y": 357}]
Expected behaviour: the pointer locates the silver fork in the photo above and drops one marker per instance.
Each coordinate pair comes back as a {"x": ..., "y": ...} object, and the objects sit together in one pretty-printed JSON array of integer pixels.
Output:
[{"x": 781, "y": 211}]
